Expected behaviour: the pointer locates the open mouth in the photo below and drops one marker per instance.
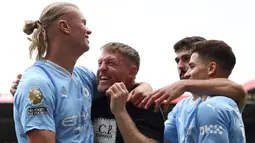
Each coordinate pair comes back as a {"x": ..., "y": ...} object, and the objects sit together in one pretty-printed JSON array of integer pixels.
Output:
[
  {"x": 103, "y": 78},
  {"x": 87, "y": 38}
]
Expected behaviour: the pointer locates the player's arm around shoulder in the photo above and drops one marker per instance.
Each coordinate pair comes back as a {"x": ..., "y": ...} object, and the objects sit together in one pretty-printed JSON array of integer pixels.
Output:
[
  {"x": 213, "y": 122},
  {"x": 242, "y": 98},
  {"x": 238, "y": 93},
  {"x": 218, "y": 86},
  {"x": 34, "y": 108}
]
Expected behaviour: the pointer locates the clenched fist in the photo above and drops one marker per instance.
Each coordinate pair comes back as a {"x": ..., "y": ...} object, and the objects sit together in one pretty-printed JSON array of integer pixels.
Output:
[{"x": 118, "y": 94}]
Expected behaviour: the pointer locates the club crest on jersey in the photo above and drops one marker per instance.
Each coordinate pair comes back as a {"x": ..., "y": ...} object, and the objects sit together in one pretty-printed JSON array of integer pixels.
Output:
[
  {"x": 86, "y": 92},
  {"x": 35, "y": 96}
]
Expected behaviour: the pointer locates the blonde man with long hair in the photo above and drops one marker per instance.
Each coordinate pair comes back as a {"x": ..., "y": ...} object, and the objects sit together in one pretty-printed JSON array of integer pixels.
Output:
[{"x": 53, "y": 100}]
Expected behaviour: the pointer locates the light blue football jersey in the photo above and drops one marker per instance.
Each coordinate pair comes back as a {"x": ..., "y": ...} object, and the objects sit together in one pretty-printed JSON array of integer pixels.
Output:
[
  {"x": 50, "y": 98},
  {"x": 179, "y": 119},
  {"x": 218, "y": 120}
]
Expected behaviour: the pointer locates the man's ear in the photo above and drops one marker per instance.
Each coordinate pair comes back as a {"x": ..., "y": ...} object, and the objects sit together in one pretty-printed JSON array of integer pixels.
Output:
[
  {"x": 63, "y": 26},
  {"x": 212, "y": 69},
  {"x": 132, "y": 71}
]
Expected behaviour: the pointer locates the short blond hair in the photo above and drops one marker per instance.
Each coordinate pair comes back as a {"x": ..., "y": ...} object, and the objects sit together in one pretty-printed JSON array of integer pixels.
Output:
[
  {"x": 38, "y": 28},
  {"x": 127, "y": 51}
]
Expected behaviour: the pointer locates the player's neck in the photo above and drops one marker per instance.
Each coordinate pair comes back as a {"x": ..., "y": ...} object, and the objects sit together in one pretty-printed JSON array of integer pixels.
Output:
[
  {"x": 64, "y": 62},
  {"x": 195, "y": 97},
  {"x": 63, "y": 59},
  {"x": 204, "y": 98}
]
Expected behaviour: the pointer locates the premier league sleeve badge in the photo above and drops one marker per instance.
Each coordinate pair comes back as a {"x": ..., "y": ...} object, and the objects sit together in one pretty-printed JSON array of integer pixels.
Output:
[{"x": 35, "y": 96}]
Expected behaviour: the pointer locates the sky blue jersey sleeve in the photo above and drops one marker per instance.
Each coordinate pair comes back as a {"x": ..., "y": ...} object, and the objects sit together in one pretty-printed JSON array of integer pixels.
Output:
[
  {"x": 170, "y": 132},
  {"x": 213, "y": 124},
  {"x": 34, "y": 105}
]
